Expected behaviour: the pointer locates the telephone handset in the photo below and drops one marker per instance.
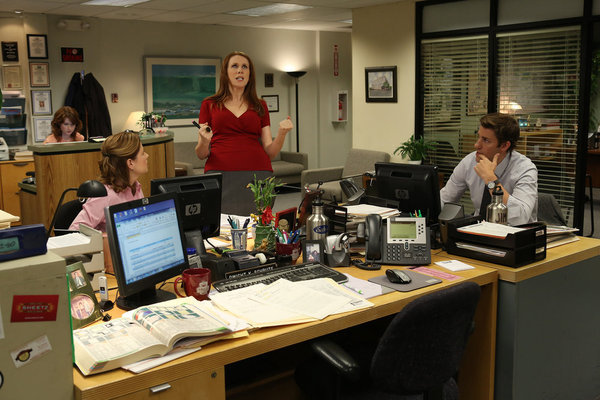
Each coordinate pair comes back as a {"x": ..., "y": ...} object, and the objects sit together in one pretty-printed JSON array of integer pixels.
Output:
[{"x": 399, "y": 241}]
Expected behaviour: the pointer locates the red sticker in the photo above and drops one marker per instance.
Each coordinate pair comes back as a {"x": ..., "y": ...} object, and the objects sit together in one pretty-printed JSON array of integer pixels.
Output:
[{"x": 33, "y": 308}]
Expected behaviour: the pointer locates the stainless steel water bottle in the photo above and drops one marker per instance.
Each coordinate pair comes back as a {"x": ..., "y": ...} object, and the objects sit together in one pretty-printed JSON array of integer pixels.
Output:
[
  {"x": 497, "y": 212},
  {"x": 317, "y": 225}
]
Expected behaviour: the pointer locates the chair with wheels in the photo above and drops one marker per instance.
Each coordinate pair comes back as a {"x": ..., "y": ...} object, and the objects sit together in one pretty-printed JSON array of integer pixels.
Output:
[
  {"x": 549, "y": 210},
  {"x": 417, "y": 357},
  {"x": 65, "y": 216}
]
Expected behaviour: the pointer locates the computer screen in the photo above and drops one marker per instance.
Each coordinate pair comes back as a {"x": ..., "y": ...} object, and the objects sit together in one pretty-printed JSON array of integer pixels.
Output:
[
  {"x": 199, "y": 200},
  {"x": 413, "y": 187},
  {"x": 146, "y": 245}
]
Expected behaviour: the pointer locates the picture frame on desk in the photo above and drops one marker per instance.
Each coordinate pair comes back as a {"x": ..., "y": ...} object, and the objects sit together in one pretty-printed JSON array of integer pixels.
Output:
[
  {"x": 161, "y": 72},
  {"x": 313, "y": 251},
  {"x": 39, "y": 74},
  {"x": 37, "y": 46},
  {"x": 289, "y": 216},
  {"x": 381, "y": 84},
  {"x": 41, "y": 102}
]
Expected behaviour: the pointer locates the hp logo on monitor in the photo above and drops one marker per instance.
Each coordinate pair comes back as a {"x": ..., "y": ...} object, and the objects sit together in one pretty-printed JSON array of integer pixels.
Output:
[{"x": 192, "y": 209}]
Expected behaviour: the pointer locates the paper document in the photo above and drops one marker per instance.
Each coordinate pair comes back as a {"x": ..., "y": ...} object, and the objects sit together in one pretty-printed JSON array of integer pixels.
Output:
[
  {"x": 329, "y": 286},
  {"x": 485, "y": 228},
  {"x": 68, "y": 240},
  {"x": 454, "y": 265},
  {"x": 480, "y": 249},
  {"x": 362, "y": 210},
  {"x": 552, "y": 230},
  {"x": 365, "y": 289}
]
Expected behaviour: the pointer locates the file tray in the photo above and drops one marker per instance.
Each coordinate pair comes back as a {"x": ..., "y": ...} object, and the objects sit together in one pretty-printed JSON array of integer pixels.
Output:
[{"x": 515, "y": 250}]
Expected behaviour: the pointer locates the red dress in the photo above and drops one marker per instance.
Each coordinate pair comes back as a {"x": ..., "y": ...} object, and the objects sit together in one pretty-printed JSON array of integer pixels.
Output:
[{"x": 235, "y": 145}]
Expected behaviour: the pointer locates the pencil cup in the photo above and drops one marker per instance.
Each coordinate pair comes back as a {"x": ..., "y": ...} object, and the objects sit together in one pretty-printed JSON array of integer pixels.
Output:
[
  {"x": 292, "y": 249},
  {"x": 239, "y": 239}
]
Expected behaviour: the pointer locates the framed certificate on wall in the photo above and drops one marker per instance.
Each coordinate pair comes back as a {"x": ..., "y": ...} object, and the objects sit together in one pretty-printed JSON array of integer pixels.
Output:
[
  {"x": 41, "y": 102},
  {"x": 42, "y": 127},
  {"x": 39, "y": 74}
]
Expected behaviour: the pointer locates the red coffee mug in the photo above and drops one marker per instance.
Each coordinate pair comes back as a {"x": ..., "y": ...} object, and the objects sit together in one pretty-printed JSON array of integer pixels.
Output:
[{"x": 196, "y": 282}]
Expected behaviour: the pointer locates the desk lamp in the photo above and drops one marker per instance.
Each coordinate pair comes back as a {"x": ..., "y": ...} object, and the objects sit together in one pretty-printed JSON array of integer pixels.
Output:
[{"x": 89, "y": 188}]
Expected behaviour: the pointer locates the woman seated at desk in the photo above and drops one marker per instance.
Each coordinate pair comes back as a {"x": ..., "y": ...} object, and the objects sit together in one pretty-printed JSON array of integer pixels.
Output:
[
  {"x": 123, "y": 162},
  {"x": 65, "y": 126}
]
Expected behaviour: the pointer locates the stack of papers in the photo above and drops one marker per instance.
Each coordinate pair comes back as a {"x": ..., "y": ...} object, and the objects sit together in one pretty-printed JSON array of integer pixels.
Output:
[
  {"x": 559, "y": 235},
  {"x": 358, "y": 213},
  {"x": 485, "y": 228}
]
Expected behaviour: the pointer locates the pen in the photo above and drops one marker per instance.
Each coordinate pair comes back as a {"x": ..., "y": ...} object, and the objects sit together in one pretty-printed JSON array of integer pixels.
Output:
[{"x": 246, "y": 223}]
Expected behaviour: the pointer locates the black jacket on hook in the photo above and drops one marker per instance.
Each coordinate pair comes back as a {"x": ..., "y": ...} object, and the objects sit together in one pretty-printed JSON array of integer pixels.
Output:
[{"x": 88, "y": 99}]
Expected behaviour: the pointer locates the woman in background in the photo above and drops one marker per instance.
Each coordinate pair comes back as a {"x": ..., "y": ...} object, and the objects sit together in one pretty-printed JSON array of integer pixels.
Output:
[
  {"x": 123, "y": 162},
  {"x": 65, "y": 126},
  {"x": 235, "y": 134}
]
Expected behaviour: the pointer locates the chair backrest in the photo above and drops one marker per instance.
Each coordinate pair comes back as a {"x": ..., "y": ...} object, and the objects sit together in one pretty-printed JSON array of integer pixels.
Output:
[
  {"x": 67, "y": 213},
  {"x": 359, "y": 161},
  {"x": 549, "y": 210},
  {"x": 423, "y": 345}
]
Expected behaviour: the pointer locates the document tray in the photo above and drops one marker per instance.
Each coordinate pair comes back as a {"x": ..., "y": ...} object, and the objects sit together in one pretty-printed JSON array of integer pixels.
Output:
[{"x": 515, "y": 250}]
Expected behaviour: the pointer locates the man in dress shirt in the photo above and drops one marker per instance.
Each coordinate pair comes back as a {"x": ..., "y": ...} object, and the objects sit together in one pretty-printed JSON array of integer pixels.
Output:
[{"x": 495, "y": 162}]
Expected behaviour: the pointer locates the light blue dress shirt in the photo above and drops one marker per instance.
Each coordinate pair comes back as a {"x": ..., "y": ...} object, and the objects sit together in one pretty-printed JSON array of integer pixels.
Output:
[{"x": 517, "y": 174}]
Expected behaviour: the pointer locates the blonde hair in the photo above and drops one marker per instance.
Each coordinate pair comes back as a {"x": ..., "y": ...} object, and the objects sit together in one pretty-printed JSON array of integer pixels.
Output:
[{"x": 116, "y": 150}]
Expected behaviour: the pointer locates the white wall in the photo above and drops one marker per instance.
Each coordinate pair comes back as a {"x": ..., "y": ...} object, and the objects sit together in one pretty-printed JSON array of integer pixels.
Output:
[
  {"x": 383, "y": 36},
  {"x": 114, "y": 51}
]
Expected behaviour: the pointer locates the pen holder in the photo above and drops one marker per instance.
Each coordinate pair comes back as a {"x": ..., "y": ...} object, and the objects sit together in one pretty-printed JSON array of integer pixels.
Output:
[
  {"x": 292, "y": 249},
  {"x": 239, "y": 239}
]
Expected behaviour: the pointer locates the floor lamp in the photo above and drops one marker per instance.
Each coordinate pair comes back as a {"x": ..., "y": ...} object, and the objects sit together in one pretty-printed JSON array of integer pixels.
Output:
[{"x": 296, "y": 75}]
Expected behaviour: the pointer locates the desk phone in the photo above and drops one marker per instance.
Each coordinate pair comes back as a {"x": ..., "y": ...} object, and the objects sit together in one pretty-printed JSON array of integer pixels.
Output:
[{"x": 400, "y": 241}]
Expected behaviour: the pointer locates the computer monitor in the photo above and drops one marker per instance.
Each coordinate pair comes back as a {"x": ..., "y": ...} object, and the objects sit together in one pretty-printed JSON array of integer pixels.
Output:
[
  {"x": 413, "y": 187},
  {"x": 199, "y": 200},
  {"x": 146, "y": 245}
]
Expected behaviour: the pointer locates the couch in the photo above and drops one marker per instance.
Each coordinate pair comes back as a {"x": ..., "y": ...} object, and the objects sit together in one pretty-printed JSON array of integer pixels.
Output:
[{"x": 287, "y": 166}]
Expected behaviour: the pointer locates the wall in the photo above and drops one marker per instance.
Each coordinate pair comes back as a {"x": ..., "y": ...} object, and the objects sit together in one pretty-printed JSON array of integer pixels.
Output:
[
  {"x": 383, "y": 36},
  {"x": 114, "y": 51}
]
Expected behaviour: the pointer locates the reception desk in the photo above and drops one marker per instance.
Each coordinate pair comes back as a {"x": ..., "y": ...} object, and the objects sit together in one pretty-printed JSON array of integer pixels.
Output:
[{"x": 67, "y": 165}]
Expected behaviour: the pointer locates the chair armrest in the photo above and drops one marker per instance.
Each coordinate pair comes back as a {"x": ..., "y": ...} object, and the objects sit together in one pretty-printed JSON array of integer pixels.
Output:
[
  {"x": 321, "y": 174},
  {"x": 299, "y": 158},
  {"x": 337, "y": 358},
  {"x": 185, "y": 165}
]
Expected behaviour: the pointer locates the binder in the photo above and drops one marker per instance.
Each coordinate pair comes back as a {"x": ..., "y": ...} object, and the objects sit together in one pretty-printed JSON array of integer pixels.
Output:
[{"x": 515, "y": 250}]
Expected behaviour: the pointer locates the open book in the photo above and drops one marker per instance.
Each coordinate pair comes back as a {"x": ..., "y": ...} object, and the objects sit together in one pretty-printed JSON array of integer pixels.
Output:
[{"x": 145, "y": 332}]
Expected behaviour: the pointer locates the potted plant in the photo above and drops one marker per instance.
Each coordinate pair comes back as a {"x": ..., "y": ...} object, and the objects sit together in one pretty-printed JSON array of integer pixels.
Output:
[
  {"x": 264, "y": 197},
  {"x": 415, "y": 149},
  {"x": 150, "y": 121}
]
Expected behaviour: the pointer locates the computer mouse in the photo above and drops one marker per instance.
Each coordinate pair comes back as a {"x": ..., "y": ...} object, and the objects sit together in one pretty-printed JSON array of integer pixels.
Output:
[{"x": 397, "y": 276}]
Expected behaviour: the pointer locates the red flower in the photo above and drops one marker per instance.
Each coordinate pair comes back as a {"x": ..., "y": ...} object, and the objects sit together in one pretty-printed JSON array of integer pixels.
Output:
[{"x": 267, "y": 216}]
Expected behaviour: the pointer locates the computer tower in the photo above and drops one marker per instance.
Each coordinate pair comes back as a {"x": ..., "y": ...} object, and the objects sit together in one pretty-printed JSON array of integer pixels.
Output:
[{"x": 35, "y": 333}]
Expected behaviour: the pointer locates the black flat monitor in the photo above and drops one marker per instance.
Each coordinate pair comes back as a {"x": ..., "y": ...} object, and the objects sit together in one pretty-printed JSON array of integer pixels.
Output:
[
  {"x": 413, "y": 187},
  {"x": 147, "y": 247},
  {"x": 199, "y": 201}
]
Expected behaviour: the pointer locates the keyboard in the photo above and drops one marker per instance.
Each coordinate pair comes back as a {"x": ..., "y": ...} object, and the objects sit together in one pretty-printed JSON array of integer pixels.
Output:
[{"x": 294, "y": 273}]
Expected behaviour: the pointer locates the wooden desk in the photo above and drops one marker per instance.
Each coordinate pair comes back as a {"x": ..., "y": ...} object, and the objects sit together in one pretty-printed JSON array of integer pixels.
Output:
[
  {"x": 64, "y": 165},
  {"x": 11, "y": 173},
  {"x": 201, "y": 375},
  {"x": 548, "y": 323}
]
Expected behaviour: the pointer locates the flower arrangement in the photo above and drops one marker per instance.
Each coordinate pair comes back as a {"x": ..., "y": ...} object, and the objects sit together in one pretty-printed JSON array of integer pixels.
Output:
[
  {"x": 152, "y": 120},
  {"x": 264, "y": 196},
  {"x": 415, "y": 149}
]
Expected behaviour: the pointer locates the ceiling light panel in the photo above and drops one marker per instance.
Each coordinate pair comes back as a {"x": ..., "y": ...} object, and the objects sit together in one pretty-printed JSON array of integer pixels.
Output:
[
  {"x": 113, "y": 3},
  {"x": 272, "y": 9}
]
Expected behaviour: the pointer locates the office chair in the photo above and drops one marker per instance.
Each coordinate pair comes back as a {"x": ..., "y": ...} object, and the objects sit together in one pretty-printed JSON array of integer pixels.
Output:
[
  {"x": 549, "y": 210},
  {"x": 416, "y": 357},
  {"x": 65, "y": 216}
]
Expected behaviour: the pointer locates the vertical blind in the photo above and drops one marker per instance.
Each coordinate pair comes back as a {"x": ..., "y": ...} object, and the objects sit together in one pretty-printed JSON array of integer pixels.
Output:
[
  {"x": 455, "y": 83},
  {"x": 538, "y": 82}
]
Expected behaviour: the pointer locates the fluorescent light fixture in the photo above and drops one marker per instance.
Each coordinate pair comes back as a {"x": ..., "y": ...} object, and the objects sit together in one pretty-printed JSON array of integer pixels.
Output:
[
  {"x": 275, "y": 8},
  {"x": 115, "y": 3},
  {"x": 347, "y": 21}
]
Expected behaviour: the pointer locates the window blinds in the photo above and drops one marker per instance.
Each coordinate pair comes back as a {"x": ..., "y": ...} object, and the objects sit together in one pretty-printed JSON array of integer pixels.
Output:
[{"x": 538, "y": 82}]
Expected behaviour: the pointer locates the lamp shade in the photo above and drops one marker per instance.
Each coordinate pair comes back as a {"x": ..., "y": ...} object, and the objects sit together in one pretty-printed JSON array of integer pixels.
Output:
[
  {"x": 296, "y": 74},
  {"x": 133, "y": 120}
]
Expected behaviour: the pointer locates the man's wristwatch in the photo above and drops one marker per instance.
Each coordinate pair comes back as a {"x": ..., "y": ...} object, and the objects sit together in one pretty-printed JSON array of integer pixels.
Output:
[{"x": 492, "y": 184}]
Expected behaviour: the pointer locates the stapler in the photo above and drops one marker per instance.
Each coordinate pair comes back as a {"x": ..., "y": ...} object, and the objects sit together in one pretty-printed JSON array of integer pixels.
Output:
[{"x": 337, "y": 252}]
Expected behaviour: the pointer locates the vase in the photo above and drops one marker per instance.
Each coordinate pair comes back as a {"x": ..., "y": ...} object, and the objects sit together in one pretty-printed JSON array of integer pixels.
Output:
[
  {"x": 264, "y": 238},
  {"x": 415, "y": 162}
]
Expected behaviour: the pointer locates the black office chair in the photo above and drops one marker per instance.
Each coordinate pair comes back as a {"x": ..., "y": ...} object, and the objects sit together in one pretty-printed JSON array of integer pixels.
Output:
[
  {"x": 549, "y": 210},
  {"x": 417, "y": 356},
  {"x": 65, "y": 216}
]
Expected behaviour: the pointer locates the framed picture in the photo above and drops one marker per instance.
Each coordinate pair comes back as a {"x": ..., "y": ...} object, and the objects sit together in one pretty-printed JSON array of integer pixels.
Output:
[
  {"x": 272, "y": 102},
  {"x": 84, "y": 306},
  {"x": 12, "y": 77},
  {"x": 176, "y": 86},
  {"x": 41, "y": 102},
  {"x": 313, "y": 250},
  {"x": 10, "y": 51},
  {"x": 39, "y": 75},
  {"x": 286, "y": 220},
  {"x": 37, "y": 46},
  {"x": 42, "y": 127},
  {"x": 380, "y": 85}
]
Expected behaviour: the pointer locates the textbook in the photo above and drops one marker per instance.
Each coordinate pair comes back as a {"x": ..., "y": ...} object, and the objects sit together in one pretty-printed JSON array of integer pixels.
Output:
[{"x": 149, "y": 331}]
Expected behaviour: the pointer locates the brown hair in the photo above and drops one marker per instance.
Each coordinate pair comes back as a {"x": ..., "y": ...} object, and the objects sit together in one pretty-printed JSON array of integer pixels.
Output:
[
  {"x": 504, "y": 126},
  {"x": 249, "y": 95},
  {"x": 116, "y": 150},
  {"x": 60, "y": 116}
]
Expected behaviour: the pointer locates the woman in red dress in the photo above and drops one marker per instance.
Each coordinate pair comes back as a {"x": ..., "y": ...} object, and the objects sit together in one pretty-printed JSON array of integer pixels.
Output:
[{"x": 235, "y": 134}]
